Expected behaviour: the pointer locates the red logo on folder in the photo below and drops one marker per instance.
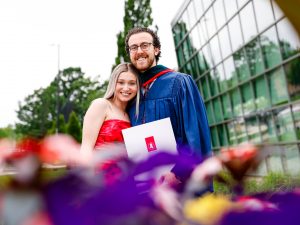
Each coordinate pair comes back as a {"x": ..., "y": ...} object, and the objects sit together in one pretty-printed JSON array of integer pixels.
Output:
[{"x": 150, "y": 142}]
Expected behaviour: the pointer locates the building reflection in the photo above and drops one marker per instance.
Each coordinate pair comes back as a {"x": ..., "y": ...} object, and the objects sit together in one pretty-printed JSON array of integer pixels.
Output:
[{"x": 245, "y": 58}]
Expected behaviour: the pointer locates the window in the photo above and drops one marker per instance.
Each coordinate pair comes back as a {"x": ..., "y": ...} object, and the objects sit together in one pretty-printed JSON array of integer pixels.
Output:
[
  {"x": 213, "y": 82},
  {"x": 270, "y": 48},
  {"x": 248, "y": 22},
  {"x": 253, "y": 131},
  {"x": 236, "y": 102},
  {"x": 215, "y": 50},
  {"x": 220, "y": 13},
  {"x": 247, "y": 97},
  {"x": 232, "y": 136},
  {"x": 296, "y": 115},
  {"x": 221, "y": 77},
  {"x": 267, "y": 127},
  {"x": 240, "y": 130},
  {"x": 224, "y": 42},
  {"x": 278, "y": 12},
  {"x": 210, "y": 22},
  {"x": 288, "y": 38},
  {"x": 230, "y": 72},
  {"x": 264, "y": 14},
  {"x": 241, "y": 64},
  {"x": 217, "y": 110},
  {"x": 254, "y": 57},
  {"x": 261, "y": 93},
  {"x": 205, "y": 88},
  {"x": 230, "y": 7},
  {"x": 203, "y": 66},
  {"x": 284, "y": 124},
  {"x": 235, "y": 33},
  {"x": 192, "y": 14},
  {"x": 223, "y": 135},
  {"x": 198, "y": 8},
  {"x": 277, "y": 87},
  {"x": 292, "y": 158},
  {"x": 209, "y": 113},
  {"x": 214, "y": 137},
  {"x": 226, "y": 106},
  {"x": 194, "y": 36},
  {"x": 292, "y": 70}
]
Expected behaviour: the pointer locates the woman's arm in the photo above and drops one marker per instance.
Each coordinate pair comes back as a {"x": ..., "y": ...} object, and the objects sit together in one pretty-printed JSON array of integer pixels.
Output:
[{"x": 93, "y": 120}]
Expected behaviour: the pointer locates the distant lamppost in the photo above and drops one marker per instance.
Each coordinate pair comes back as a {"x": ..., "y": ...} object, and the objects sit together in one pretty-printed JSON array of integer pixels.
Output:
[
  {"x": 57, "y": 91},
  {"x": 57, "y": 78}
]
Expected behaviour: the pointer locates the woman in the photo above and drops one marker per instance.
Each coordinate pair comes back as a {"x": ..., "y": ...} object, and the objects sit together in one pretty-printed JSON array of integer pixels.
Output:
[{"x": 106, "y": 117}]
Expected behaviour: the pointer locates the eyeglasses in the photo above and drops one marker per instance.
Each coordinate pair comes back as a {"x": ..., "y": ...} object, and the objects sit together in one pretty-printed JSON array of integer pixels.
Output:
[{"x": 144, "y": 47}]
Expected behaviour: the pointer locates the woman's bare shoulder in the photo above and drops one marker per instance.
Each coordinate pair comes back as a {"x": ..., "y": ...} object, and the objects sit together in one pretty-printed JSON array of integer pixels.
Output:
[{"x": 99, "y": 103}]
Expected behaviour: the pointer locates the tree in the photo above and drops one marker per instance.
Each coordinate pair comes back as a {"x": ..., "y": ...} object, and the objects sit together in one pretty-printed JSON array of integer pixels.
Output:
[
  {"x": 74, "y": 127},
  {"x": 137, "y": 13},
  {"x": 71, "y": 91},
  {"x": 7, "y": 132}
]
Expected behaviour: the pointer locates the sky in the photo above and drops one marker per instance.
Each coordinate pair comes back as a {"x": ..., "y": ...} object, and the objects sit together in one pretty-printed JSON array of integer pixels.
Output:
[{"x": 38, "y": 37}]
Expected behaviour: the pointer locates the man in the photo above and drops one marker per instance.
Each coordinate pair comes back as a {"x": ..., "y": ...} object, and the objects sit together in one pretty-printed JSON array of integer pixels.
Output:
[{"x": 167, "y": 93}]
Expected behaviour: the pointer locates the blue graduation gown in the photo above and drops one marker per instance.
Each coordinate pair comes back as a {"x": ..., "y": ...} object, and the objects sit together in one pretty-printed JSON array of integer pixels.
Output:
[{"x": 175, "y": 95}]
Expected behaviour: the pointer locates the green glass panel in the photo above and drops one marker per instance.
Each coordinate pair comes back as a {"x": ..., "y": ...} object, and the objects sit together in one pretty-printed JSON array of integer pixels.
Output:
[
  {"x": 230, "y": 72},
  {"x": 248, "y": 99},
  {"x": 205, "y": 88},
  {"x": 277, "y": 86},
  {"x": 180, "y": 57},
  {"x": 214, "y": 137},
  {"x": 240, "y": 131},
  {"x": 236, "y": 102},
  {"x": 231, "y": 131},
  {"x": 254, "y": 57},
  {"x": 209, "y": 113},
  {"x": 267, "y": 128},
  {"x": 270, "y": 48},
  {"x": 226, "y": 106},
  {"x": 262, "y": 100},
  {"x": 288, "y": 38},
  {"x": 223, "y": 134},
  {"x": 253, "y": 130},
  {"x": 186, "y": 50},
  {"x": 203, "y": 67},
  {"x": 217, "y": 110},
  {"x": 240, "y": 61},
  {"x": 292, "y": 70},
  {"x": 293, "y": 159},
  {"x": 213, "y": 83},
  {"x": 296, "y": 114},
  {"x": 220, "y": 74},
  {"x": 285, "y": 126}
]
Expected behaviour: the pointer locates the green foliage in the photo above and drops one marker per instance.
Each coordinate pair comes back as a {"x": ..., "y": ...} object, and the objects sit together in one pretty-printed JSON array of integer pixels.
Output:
[
  {"x": 69, "y": 91},
  {"x": 137, "y": 13},
  {"x": 62, "y": 128},
  {"x": 7, "y": 132},
  {"x": 74, "y": 127}
]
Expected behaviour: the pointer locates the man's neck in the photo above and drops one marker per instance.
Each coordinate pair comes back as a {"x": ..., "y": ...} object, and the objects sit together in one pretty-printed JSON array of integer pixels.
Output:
[{"x": 153, "y": 73}]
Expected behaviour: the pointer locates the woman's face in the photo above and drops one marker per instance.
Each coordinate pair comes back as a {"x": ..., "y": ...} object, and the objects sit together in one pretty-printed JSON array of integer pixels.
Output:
[{"x": 126, "y": 87}]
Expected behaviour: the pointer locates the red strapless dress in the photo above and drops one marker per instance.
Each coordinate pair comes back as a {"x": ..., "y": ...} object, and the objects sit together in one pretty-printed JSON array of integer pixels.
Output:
[{"x": 111, "y": 132}]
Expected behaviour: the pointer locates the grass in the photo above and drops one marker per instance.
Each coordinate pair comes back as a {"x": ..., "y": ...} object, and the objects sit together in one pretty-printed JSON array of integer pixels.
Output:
[
  {"x": 271, "y": 183},
  {"x": 46, "y": 176}
]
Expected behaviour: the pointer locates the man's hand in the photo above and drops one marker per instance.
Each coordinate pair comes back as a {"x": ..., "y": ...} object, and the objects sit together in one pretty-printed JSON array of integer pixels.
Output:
[{"x": 169, "y": 179}]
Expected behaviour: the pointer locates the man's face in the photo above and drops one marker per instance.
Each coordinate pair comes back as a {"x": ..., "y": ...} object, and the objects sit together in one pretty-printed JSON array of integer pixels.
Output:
[{"x": 143, "y": 58}]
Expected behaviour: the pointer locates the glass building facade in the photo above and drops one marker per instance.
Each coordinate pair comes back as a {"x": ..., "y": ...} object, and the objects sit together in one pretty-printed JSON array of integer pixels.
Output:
[{"x": 245, "y": 58}]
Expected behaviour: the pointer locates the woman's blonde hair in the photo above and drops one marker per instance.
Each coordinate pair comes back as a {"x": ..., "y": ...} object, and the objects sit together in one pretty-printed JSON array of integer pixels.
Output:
[{"x": 123, "y": 67}]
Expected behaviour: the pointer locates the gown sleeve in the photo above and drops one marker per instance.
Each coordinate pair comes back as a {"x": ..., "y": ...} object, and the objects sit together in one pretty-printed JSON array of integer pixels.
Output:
[{"x": 195, "y": 124}]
